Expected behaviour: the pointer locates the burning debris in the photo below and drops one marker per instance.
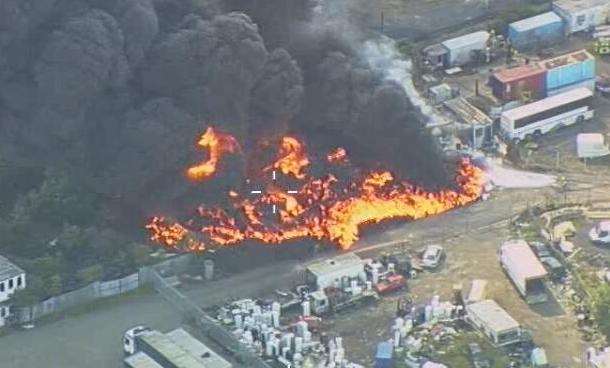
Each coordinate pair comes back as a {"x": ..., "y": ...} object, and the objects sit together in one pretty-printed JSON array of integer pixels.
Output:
[
  {"x": 292, "y": 158},
  {"x": 321, "y": 208},
  {"x": 339, "y": 155},
  {"x": 217, "y": 145}
]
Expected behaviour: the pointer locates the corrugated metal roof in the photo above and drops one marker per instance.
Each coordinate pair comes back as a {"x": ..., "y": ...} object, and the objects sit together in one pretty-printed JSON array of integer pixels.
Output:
[
  {"x": 8, "y": 269},
  {"x": 466, "y": 40},
  {"x": 512, "y": 74},
  {"x": 490, "y": 313},
  {"x": 537, "y": 21},
  {"x": 548, "y": 103},
  {"x": 335, "y": 264},
  {"x": 526, "y": 265},
  {"x": 141, "y": 360},
  {"x": 566, "y": 59},
  {"x": 198, "y": 349},
  {"x": 170, "y": 350},
  {"x": 578, "y": 5}
]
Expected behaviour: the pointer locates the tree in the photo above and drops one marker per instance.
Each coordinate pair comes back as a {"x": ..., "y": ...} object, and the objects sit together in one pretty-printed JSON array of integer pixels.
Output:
[
  {"x": 90, "y": 274},
  {"x": 602, "y": 310}
]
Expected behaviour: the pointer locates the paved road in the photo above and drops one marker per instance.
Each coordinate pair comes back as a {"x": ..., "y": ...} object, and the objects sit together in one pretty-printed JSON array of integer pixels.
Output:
[{"x": 86, "y": 340}]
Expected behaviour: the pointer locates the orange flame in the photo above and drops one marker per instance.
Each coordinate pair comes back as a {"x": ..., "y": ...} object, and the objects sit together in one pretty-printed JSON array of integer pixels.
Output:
[
  {"x": 173, "y": 235},
  {"x": 292, "y": 158},
  {"x": 217, "y": 145},
  {"x": 321, "y": 208},
  {"x": 338, "y": 155}
]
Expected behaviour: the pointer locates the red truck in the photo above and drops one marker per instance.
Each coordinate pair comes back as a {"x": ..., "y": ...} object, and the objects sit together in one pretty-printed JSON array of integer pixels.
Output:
[{"x": 390, "y": 284}]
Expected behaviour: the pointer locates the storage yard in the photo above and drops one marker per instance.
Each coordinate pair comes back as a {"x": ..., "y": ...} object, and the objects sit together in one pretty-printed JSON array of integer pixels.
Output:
[{"x": 509, "y": 282}]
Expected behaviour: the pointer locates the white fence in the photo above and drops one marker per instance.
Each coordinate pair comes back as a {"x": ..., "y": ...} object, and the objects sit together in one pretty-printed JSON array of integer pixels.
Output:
[
  {"x": 97, "y": 290},
  {"x": 87, "y": 294}
]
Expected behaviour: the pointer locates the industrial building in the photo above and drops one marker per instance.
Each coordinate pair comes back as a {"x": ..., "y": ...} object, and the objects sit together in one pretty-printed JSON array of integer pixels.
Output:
[
  {"x": 523, "y": 83},
  {"x": 331, "y": 272},
  {"x": 494, "y": 322},
  {"x": 538, "y": 31},
  {"x": 175, "y": 349},
  {"x": 12, "y": 278},
  {"x": 569, "y": 71},
  {"x": 461, "y": 50},
  {"x": 582, "y": 15}
]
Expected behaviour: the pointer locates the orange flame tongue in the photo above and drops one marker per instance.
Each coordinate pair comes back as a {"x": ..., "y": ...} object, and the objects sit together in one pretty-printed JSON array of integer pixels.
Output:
[
  {"x": 338, "y": 155},
  {"x": 320, "y": 209},
  {"x": 292, "y": 159},
  {"x": 217, "y": 144}
]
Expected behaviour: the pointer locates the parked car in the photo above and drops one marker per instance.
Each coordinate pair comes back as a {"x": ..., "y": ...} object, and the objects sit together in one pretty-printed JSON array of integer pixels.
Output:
[
  {"x": 540, "y": 249},
  {"x": 600, "y": 234},
  {"x": 433, "y": 256},
  {"x": 554, "y": 267}
]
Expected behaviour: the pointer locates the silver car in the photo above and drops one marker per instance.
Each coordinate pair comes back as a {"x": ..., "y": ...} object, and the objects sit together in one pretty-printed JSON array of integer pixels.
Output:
[{"x": 433, "y": 256}]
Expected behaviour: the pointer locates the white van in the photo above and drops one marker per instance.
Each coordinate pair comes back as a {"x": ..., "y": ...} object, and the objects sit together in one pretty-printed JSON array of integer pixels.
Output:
[{"x": 600, "y": 234}]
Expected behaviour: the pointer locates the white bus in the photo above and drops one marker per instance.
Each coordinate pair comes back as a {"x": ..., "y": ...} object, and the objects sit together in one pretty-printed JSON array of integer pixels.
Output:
[{"x": 542, "y": 116}]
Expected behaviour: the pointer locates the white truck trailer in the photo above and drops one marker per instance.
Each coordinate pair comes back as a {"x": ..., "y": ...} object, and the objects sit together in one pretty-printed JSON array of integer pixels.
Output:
[
  {"x": 525, "y": 270},
  {"x": 148, "y": 348}
]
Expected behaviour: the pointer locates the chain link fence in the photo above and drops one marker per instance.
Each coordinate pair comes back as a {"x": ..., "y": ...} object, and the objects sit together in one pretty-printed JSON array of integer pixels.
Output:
[{"x": 209, "y": 327}]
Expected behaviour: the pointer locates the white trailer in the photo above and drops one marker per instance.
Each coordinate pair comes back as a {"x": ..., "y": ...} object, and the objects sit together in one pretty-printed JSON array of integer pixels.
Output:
[
  {"x": 461, "y": 49},
  {"x": 525, "y": 270},
  {"x": 591, "y": 145},
  {"x": 494, "y": 322}
]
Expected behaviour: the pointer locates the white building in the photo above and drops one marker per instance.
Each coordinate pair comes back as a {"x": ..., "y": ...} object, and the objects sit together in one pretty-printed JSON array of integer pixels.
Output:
[
  {"x": 582, "y": 15},
  {"x": 461, "y": 49},
  {"x": 330, "y": 272},
  {"x": 12, "y": 278},
  {"x": 494, "y": 322}
]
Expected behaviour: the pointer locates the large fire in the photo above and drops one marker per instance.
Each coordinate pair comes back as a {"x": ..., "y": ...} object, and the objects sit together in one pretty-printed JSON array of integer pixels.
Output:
[
  {"x": 320, "y": 208},
  {"x": 217, "y": 145},
  {"x": 292, "y": 158}
]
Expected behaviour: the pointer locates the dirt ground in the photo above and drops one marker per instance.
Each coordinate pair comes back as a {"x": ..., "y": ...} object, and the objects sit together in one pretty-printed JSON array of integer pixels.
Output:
[{"x": 468, "y": 257}]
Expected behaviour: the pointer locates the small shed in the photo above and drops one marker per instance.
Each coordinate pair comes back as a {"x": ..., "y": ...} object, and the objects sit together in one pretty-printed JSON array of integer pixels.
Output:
[
  {"x": 582, "y": 15},
  {"x": 478, "y": 125},
  {"x": 330, "y": 272},
  {"x": 522, "y": 83},
  {"x": 591, "y": 145},
  {"x": 460, "y": 50},
  {"x": 440, "y": 93},
  {"x": 538, "y": 31},
  {"x": 494, "y": 322},
  {"x": 436, "y": 55}
]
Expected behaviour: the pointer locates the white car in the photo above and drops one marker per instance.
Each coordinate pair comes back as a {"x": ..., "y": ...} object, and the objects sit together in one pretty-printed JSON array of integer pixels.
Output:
[
  {"x": 600, "y": 234},
  {"x": 433, "y": 256}
]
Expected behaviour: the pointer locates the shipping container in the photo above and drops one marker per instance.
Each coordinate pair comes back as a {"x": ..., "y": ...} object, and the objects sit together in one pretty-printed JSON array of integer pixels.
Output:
[
  {"x": 461, "y": 49},
  {"x": 587, "y": 83},
  {"x": 522, "y": 83},
  {"x": 539, "y": 31},
  {"x": 568, "y": 70},
  {"x": 383, "y": 357},
  {"x": 582, "y": 15}
]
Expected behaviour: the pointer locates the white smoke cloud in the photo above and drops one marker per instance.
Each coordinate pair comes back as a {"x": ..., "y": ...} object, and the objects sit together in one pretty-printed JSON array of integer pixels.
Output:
[{"x": 383, "y": 56}]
